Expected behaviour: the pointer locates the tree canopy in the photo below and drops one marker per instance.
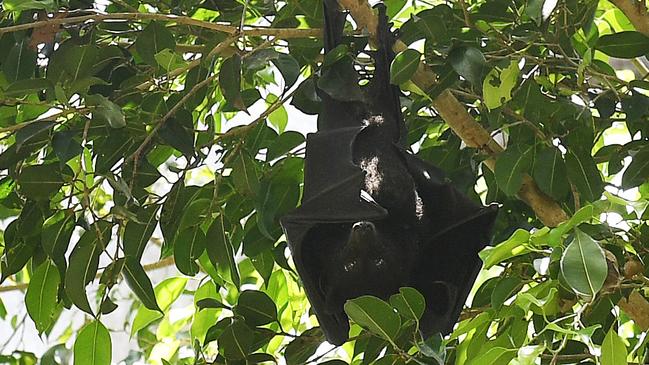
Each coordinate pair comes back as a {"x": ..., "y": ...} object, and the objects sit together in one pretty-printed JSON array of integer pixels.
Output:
[{"x": 143, "y": 135}]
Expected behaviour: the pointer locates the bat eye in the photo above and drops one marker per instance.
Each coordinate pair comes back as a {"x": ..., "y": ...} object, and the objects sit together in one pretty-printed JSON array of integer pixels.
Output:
[{"x": 350, "y": 266}]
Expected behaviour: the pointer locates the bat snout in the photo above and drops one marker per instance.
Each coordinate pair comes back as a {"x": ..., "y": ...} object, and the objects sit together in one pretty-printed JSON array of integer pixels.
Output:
[{"x": 363, "y": 227}]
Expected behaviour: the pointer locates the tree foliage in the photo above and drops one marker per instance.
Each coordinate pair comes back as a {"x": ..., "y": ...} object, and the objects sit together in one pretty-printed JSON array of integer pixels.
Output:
[{"x": 174, "y": 127}]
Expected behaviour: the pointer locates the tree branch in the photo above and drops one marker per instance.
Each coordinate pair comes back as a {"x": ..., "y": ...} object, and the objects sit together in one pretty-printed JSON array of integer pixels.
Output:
[
  {"x": 462, "y": 123},
  {"x": 169, "y": 261},
  {"x": 636, "y": 11},
  {"x": 225, "y": 28}
]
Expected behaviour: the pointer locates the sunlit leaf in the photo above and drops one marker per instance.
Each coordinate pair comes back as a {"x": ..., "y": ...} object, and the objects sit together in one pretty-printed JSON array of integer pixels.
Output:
[
  {"x": 152, "y": 40},
  {"x": 404, "y": 66},
  {"x": 41, "y": 295},
  {"x": 583, "y": 265},
  {"x": 613, "y": 349},
  {"x": 498, "y": 85},
  {"x": 93, "y": 345},
  {"x": 166, "y": 293},
  {"x": 375, "y": 315},
  {"x": 409, "y": 303}
]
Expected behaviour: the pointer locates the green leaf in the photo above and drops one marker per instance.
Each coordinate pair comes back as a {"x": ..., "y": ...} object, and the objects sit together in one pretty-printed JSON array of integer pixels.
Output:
[
  {"x": 409, "y": 303},
  {"x": 584, "y": 214},
  {"x": 264, "y": 264},
  {"x": 138, "y": 233},
  {"x": 256, "y": 307},
  {"x": 106, "y": 111},
  {"x": 20, "y": 5},
  {"x": 283, "y": 144},
  {"x": 583, "y": 265},
  {"x": 111, "y": 273},
  {"x": 169, "y": 60},
  {"x": 505, "y": 289},
  {"x": 628, "y": 44},
  {"x": 613, "y": 349},
  {"x": 432, "y": 24},
  {"x": 166, "y": 293},
  {"x": 17, "y": 250},
  {"x": 112, "y": 150},
  {"x": 279, "y": 119},
  {"x": 288, "y": 67},
  {"x": 230, "y": 82},
  {"x": 178, "y": 132},
  {"x": 139, "y": 282},
  {"x": 305, "y": 98},
  {"x": 93, "y": 345},
  {"x": 205, "y": 317},
  {"x": 278, "y": 194},
  {"x": 57, "y": 231},
  {"x": 194, "y": 76},
  {"x": 259, "y": 59},
  {"x": 26, "y": 87},
  {"x": 304, "y": 346},
  {"x": 375, "y": 315},
  {"x": 550, "y": 173},
  {"x": 638, "y": 171},
  {"x": 244, "y": 174},
  {"x": 84, "y": 261},
  {"x": 513, "y": 246},
  {"x": 469, "y": 63},
  {"x": 49, "y": 357},
  {"x": 511, "y": 165},
  {"x": 210, "y": 303},
  {"x": 583, "y": 172},
  {"x": 65, "y": 146},
  {"x": 40, "y": 182},
  {"x": 404, "y": 66},
  {"x": 236, "y": 341},
  {"x": 20, "y": 63},
  {"x": 195, "y": 213},
  {"x": 338, "y": 53},
  {"x": 79, "y": 61},
  {"x": 220, "y": 252},
  {"x": 188, "y": 247},
  {"x": 340, "y": 81},
  {"x": 42, "y": 295},
  {"x": 255, "y": 242},
  {"x": 498, "y": 85},
  {"x": 495, "y": 355},
  {"x": 153, "y": 39},
  {"x": 32, "y": 132}
]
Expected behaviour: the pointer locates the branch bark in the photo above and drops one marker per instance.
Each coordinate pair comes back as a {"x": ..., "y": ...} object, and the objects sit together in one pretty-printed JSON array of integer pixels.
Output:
[
  {"x": 462, "y": 123},
  {"x": 169, "y": 261},
  {"x": 636, "y": 11},
  {"x": 225, "y": 28}
]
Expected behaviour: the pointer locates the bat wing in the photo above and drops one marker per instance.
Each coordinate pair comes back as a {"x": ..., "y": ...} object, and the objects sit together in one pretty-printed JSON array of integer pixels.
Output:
[
  {"x": 331, "y": 202},
  {"x": 456, "y": 229}
]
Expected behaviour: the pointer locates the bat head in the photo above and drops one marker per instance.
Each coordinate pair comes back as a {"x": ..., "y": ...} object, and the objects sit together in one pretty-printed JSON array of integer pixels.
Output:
[{"x": 375, "y": 260}]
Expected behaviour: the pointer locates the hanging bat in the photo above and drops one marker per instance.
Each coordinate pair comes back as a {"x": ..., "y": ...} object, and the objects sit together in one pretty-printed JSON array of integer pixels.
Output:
[{"x": 374, "y": 217}]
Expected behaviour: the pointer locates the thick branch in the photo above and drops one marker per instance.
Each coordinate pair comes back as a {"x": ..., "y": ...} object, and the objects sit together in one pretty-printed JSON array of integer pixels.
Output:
[
  {"x": 636, "y": 11},
  {"x": 462, "y": 123},
  {"x": 225, "y": 28}
]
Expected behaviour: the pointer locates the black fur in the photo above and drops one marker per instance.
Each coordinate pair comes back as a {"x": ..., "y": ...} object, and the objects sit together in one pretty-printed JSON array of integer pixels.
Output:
[{"x": 373, "y": 217}]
